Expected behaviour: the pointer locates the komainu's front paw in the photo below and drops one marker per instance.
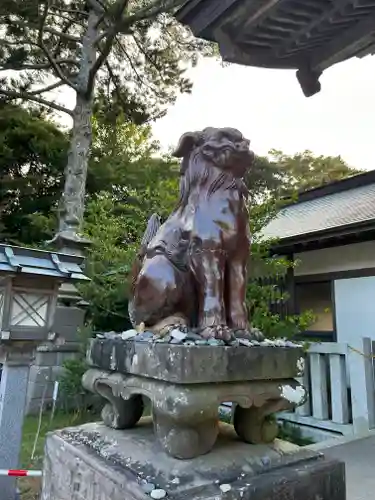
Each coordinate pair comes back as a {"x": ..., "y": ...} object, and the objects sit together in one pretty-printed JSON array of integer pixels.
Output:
[
  {"x": 219, "y": 332},
  {"x": 249, "y": 334}
]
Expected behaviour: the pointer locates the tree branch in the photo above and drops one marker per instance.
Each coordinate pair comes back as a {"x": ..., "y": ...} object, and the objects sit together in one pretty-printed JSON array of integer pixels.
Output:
[
  {"x": 25, "y": 67},
  {"x": 64, "y": 29},
  {"x": 19, "y": 42},
  {"x": 157, "y": 7},
  {"x": 47, "y": 89},
  {"x": 100, "y": 38},
  {"x": 97, "y": 6},
  {"x": 61, "y": 34},
  {"x": 25, "y": 96},
  {"x": 139, "y": 78},
  {"x": 130, "y": 62},
  {"x": 49, "y": 56},
  {"x": 111, "y": 35},
  {"x": 59, "y": 15},
  {"x": 144, "y": 52},
  {"x": 114, "y": 79},
  {"x": 70, "y": 11}
]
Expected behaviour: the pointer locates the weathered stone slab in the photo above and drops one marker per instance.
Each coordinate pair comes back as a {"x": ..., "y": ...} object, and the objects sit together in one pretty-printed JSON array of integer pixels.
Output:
[
  {"x": 183, "y": 364},
  {"x": 93, "y": 462}
]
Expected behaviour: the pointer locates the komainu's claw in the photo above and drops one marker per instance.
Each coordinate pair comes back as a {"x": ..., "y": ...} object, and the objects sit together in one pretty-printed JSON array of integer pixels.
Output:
[
  {"x": 219, "y": 332},
  {"x": 249, "y": 334}
]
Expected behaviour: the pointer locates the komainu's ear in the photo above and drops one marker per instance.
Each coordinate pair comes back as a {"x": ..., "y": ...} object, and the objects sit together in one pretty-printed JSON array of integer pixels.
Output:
[{"x": 186, "y": 144}]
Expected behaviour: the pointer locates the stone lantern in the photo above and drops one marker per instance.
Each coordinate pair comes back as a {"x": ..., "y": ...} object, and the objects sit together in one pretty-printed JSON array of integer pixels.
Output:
[{"x": 29, "y": 284}]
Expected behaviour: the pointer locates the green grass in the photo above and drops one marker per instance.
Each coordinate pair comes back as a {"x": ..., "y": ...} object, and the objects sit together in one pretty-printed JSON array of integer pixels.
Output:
[
  {"x": 293, "y": 434},
  {"x": 30, "y": 487}
]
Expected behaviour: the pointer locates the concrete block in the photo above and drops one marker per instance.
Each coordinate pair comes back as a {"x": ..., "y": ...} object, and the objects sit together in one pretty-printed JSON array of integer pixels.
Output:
[
  {"x": 36, "y": 391},
  {"x": 40, "y": 374},
  {"x": 67, "y": 322},
  {"x": 57, "y": 372},
  {"x": 65, "y": 355},
  {"x": 45, "y": 358}
]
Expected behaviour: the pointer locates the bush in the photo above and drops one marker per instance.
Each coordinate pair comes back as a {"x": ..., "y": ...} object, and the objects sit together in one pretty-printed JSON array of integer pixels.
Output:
[
  {"x": 266, "y": 295},
  {"x": 73, "y": 395}
]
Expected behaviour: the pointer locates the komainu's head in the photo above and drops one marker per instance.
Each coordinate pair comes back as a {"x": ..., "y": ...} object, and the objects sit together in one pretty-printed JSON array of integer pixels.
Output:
[{"x": 225, "y": 148}]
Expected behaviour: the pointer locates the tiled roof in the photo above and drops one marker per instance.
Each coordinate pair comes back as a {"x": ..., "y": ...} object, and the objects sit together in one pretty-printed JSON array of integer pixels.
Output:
[
  {"x": 20, "y": 260},
  {"x": 323, "y": 213}
]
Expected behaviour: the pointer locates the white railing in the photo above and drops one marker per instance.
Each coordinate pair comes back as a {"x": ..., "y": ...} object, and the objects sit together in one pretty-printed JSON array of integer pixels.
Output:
[{"x": 340, "y": 381}]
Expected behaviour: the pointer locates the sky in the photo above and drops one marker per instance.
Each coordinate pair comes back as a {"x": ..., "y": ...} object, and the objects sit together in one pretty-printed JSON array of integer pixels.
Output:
[{"x": 269, "y": 108}]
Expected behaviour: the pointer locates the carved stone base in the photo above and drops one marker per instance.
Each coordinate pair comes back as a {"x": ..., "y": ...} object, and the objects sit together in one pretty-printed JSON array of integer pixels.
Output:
[
  {"x": 186, "y": 416},
  {"x": 93, "y": 462},
  {"x": 182, "y": 440},
  {"x": 187, "y": 384}
]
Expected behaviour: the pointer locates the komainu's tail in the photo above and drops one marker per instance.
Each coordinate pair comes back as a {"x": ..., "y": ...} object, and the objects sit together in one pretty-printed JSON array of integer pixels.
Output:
[{"x": 153, "y": 226}]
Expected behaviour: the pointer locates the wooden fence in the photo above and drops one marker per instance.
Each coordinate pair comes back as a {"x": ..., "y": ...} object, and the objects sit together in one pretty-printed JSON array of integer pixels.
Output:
[{"x": 340, "y": 381}]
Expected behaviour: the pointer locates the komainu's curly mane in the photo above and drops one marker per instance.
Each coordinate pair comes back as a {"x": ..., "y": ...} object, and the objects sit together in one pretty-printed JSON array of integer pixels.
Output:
[{"x": 198, "y": 173}]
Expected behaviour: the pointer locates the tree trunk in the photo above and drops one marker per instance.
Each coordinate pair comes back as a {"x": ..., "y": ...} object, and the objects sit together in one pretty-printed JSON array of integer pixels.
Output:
[{"x": 73, "y": 199}]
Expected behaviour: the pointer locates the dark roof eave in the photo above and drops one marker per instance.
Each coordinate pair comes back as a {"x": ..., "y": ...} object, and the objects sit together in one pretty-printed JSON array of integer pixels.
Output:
[{"x": 320, "y": 238}]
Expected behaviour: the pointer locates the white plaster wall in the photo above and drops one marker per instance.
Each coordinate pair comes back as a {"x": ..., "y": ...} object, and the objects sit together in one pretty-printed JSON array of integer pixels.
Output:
[
  {"x": 343, "y": 258},
  {"x": 355, "y": 309}
]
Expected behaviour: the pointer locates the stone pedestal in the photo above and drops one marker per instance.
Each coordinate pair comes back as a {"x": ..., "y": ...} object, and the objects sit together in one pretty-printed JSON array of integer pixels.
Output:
[
  {"x": 13, "y": 389},
  {"x": 186, "y": 385},
  {"x": 93, "y": 462}
]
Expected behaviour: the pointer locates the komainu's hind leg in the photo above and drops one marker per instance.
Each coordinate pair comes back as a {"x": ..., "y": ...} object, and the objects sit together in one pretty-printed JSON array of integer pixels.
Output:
[{"x": 158, "y": 291}]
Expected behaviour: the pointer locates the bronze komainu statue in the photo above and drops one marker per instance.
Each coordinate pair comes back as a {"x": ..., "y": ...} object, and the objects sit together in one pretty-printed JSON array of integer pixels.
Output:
[{"x": 193, "y": 266}]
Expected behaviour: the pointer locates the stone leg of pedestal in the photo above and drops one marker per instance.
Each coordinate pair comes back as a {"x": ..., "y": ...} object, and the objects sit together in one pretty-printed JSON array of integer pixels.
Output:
[
  {"x": 185, "y": 416},
  {"x": 13, "y": 391},
  {"x": 93, "y": 462}
]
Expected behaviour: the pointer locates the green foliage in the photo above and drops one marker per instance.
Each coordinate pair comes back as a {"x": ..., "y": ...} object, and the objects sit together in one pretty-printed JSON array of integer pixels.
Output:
[
  {"x": 116, "y": 219},
  {"x": 305, "y": 170},
  {"x": 32, "y": 160},
  {"x": 279, "y": 175},
  {"x": 116, "y": 145},
  {"x": 71, "y": 381},
  {"x": 138, "y": 184},
  {"x": 126, "y": 162},
  {"x": 71, "y": 390},
  {"x": 263, "y": 179},
  {"x": 266, "y": 296},
  {"x": 115, "y": 224},
  {"x": 109, "y": 262}
]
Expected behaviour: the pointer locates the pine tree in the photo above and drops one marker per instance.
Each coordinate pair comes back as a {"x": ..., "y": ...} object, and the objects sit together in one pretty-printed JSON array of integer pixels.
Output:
[{"x": 124, "y": 54}]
